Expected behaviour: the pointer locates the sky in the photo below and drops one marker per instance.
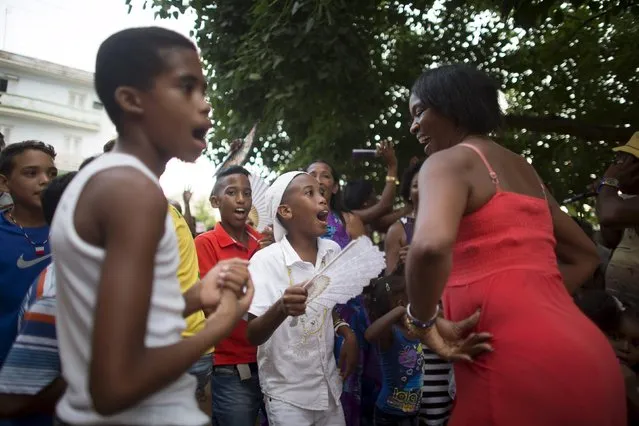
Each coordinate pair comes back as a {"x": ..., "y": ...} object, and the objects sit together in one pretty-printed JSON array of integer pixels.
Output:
[{"x": 69, "y": 32}]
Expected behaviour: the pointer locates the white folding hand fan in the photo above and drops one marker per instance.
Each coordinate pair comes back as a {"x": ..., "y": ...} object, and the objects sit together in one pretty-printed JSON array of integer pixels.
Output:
[
  {"x": 259, "y": 211},
  {"x": 345, "y": 276}
]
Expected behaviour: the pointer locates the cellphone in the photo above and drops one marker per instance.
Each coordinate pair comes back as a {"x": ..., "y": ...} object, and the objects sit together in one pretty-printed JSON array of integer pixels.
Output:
[{"x": 364, "y": 153}]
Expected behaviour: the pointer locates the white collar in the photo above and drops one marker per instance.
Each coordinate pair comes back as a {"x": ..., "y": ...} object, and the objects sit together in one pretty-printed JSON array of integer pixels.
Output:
[{"x": 324, "y": 247}]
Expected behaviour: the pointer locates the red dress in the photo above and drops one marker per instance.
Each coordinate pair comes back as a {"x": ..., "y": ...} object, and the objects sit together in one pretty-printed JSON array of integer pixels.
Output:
[{"x": 551, "y": 366}]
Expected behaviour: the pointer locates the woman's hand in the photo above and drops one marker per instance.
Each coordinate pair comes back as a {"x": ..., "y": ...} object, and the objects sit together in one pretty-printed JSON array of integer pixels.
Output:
[
  {"x": 453, "y": 341},
  {"x": 187, "y": 194},
  {"x": 236, "y": 145},
  {"x": 387, "y": 152}
]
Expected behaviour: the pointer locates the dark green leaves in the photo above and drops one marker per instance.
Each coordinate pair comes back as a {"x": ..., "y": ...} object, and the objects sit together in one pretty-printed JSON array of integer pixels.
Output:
[{"x": 326, "y": 76}]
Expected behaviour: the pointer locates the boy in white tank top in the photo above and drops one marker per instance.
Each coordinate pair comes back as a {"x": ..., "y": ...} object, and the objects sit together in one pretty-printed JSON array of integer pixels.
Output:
[{"x": 120, "y": 310}]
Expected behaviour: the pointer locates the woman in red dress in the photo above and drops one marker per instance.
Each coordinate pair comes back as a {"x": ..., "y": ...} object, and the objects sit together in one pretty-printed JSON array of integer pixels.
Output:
[{"x": 494, "y": 246}]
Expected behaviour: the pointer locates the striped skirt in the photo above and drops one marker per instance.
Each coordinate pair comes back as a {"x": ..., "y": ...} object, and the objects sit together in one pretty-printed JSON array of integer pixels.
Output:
[{"x": 438, "y": 390}]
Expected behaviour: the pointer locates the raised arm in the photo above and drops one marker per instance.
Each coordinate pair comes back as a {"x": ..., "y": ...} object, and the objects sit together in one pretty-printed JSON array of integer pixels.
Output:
[
  {"x": 393, "y": 243},
  {"x": 386, "y": 221},
  {"x": 385, "y": 203},
  {"x": 123, "y": 370},
  {"x": 188, "y": 217},
  {"x": 614, "y": 211},
  {"x": 576, "y": 253},
  {"x": 381, "y": 330},
  {"x": 354, "y": 225}
]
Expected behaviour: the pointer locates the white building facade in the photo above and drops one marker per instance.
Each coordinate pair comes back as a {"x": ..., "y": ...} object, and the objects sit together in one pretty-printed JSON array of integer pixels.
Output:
[{"x": 55, "y": 104}]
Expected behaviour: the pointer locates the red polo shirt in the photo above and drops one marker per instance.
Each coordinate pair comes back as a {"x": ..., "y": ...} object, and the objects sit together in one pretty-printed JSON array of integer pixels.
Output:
[{"x": 213, "y": 246}]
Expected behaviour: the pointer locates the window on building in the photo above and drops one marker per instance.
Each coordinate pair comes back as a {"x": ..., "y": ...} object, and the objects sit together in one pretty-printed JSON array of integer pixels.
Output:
[
  {"x": 98, "y": 105},
  {"x": 77, "y": 100},
  {"x": 72, "y": 144},
  {"x": 4, "y": 83}
]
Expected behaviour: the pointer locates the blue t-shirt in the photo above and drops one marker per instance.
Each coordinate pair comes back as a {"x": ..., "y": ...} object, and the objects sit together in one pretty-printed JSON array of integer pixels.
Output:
[
  {"x": 401, "y": 392},
  {"x": 19, "y": 266}
]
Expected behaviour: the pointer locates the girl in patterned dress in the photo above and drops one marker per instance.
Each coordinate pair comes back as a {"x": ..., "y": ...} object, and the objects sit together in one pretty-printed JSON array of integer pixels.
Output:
[
  {"x": 400, "y": 355},
  {"x": 437, "y": 400}
]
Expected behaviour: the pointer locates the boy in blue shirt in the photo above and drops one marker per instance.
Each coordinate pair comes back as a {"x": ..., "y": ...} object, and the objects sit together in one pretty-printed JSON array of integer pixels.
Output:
[
  {"x": 30, "y": 379},
  {"x": 26, "y": 168}
]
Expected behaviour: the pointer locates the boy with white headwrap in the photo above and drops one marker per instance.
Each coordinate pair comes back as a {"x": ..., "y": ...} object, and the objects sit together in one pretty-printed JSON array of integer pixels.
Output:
[{"x": 298, "y": 374}]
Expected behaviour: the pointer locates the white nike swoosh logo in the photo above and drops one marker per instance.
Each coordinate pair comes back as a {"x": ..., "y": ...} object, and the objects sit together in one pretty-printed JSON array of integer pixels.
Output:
[{"x": 24, "y": 264}]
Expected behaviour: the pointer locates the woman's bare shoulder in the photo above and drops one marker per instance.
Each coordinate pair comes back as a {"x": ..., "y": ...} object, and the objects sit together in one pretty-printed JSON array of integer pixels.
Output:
[{"x": 396, "y": 230}]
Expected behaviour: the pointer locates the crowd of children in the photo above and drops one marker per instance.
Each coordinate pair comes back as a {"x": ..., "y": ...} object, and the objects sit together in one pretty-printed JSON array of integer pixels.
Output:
[{"x": 108, "y": 318}]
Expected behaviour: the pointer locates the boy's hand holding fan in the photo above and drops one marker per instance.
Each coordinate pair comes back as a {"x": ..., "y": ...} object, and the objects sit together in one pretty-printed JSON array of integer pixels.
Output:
[
  {"x": 293, "y": 301},
  {"x": 239, "y": 150},
  {"x": 345, "y": 276}
]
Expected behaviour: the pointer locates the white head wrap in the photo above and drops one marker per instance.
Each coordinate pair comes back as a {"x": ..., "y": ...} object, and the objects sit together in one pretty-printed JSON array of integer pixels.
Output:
[{"x": 274, "y": 199}]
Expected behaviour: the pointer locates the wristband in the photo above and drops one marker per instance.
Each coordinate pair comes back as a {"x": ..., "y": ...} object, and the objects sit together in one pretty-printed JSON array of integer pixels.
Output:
[
  {"x": 421, "y": 324},
  {"x": 392, "y": 179},
  {"x": 606, "y": 181},
  {"x": 339, "y": 325}
]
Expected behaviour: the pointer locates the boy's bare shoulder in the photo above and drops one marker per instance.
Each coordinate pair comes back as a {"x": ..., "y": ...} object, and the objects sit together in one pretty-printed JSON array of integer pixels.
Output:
[
  {"x": 126, "y": 184},
  {"x": 120, "y": 195}
]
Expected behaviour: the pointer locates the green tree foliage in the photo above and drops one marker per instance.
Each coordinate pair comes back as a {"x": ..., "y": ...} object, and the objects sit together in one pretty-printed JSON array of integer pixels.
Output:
[
  {"x": 325, "y": 76},
  {"x": 203, "y": 213}
]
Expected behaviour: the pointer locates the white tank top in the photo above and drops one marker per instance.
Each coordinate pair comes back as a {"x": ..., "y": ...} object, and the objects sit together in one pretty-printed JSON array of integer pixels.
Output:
[{"x": 78, "y": 268}]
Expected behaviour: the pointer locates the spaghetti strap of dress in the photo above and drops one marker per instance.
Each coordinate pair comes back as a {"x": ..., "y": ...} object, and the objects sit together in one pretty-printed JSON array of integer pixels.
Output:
[
  {"x": 493, "y": 175},
  {"x": 491, "y": 172},
  {"x": 543, "y": 188}
]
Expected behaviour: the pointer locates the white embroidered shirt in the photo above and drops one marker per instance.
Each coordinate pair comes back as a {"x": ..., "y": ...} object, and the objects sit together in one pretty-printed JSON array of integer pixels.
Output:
[{"x": 296, "y": 365}]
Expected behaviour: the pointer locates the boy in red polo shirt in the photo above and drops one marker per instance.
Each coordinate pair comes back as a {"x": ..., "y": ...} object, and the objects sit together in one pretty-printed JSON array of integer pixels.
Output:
[{"x": 236, "y": 392}]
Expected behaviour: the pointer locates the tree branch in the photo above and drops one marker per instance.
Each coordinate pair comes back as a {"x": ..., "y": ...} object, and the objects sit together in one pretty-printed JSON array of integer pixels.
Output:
[{"x": 567, "y": 126}]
